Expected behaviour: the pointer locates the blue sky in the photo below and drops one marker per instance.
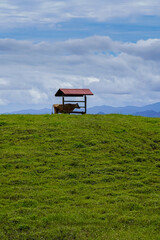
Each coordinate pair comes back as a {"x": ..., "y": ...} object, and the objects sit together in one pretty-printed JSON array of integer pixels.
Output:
[{"x": 111, "y": 47}]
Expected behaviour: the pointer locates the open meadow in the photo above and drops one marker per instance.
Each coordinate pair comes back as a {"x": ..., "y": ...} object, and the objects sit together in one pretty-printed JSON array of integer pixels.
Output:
[{"x": 87, "y": 177}]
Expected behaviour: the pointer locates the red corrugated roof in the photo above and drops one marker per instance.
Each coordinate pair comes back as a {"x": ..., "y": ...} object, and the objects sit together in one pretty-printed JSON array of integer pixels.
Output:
[{"x": 73, "y": 92}]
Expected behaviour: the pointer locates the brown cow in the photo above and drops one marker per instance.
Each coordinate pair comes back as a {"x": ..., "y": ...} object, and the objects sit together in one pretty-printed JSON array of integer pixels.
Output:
[{"x": 68, "y": 108}]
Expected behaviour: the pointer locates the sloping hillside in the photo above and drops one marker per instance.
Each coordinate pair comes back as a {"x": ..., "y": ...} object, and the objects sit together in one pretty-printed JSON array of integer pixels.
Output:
[{"x": 79, "y": 177}]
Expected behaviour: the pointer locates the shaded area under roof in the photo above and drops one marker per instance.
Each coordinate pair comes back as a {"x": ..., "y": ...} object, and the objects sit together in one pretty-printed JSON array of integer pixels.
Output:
[{"x": 73, "y": 92}]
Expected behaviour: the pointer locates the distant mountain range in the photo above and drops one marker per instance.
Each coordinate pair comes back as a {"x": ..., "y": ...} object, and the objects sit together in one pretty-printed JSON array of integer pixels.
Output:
[
  {"x": 148, "y": 114},
  {"x": 32, "y": 111},
  {"x": 152, "y": 110},
  {"x": 124, "y": 110}
]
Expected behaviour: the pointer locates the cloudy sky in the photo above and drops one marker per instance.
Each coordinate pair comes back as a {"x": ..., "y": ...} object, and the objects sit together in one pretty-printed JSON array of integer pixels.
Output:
[{"x": 109, "y": 46}]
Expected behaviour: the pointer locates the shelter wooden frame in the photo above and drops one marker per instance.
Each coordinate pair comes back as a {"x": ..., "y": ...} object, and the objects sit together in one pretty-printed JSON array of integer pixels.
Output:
[{"x": 63, "y": 92}]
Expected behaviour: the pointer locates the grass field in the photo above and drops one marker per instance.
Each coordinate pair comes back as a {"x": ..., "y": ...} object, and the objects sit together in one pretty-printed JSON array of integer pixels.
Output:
[{"x": 67, "y": 177}]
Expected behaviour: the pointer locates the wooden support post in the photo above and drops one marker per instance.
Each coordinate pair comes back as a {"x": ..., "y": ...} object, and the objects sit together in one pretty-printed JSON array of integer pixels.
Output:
[
  {"x": 63, "y": 101},
  {"x": 85, "y": 103}
]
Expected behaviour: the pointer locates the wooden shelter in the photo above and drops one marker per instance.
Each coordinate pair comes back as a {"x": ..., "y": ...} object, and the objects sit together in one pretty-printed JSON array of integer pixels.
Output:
[{"x": 65, "y": 92}]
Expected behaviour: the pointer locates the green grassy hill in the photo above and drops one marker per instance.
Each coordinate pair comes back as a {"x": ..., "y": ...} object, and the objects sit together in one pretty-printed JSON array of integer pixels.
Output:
[{"x": 66, "y": 177}]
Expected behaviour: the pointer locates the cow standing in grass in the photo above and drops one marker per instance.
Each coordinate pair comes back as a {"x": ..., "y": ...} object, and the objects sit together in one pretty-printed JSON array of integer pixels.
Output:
[{"x": 66, "y": 108}]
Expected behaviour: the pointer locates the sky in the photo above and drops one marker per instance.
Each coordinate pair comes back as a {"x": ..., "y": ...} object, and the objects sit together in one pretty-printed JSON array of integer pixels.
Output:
[{"x": 111, "y": 47}]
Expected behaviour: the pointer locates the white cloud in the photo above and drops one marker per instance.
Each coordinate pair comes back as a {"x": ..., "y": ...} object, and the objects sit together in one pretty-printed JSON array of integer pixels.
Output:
[
  {"x": 40, "y": 12},
  {"x": 148, "y": 49},
  {"x": 118, "y": 73},
  {"x": 97, "y": 45},
  {"x": 37, "y": 96},
  {"x": 3, "y": 82},
  {"x": 3, "y": 102}
]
